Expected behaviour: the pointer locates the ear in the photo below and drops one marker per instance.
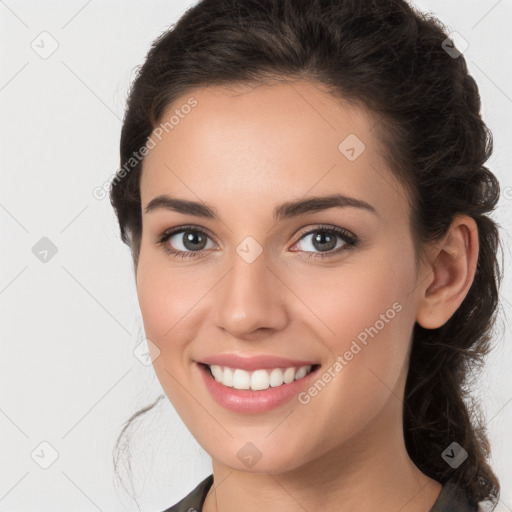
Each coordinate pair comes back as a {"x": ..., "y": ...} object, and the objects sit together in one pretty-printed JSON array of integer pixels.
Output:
[{"x": 449, "y": 273}]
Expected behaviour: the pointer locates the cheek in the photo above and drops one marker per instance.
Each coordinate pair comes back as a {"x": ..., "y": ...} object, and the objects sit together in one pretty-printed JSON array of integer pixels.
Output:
[
  {"x": 367, "y": 319},
  {"x": 170, "y": 303},
  {"x": 350, "y": 299},
  {"x": 370, "y": 324},
  {"x": 165, "y": 300}
]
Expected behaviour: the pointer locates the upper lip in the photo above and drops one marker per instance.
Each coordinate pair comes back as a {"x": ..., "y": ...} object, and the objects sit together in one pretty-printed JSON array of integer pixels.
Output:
[{"x": 251, "y": 363}]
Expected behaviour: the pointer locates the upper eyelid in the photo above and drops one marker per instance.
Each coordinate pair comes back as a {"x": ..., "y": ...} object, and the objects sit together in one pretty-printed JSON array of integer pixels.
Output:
[{"x": 180, "y": 229}]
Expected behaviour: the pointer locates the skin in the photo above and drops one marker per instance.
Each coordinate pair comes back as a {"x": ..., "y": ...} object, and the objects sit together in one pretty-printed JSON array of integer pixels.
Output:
[{"x": 245, "y": 150}]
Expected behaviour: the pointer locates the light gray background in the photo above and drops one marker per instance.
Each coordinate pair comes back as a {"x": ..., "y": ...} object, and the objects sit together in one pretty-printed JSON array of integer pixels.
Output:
[{"x": 68, "y": 328}]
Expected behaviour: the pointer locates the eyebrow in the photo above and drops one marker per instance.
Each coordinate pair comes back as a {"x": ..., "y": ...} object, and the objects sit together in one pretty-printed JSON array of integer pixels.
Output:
[{"x": 284, "y": 211}]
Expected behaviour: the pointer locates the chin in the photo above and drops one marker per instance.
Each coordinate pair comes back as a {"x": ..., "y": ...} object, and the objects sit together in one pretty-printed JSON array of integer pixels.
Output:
[{"x": 260, "y": 457}]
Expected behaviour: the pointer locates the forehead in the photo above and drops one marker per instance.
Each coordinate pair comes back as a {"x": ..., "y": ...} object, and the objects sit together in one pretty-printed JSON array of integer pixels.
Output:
[{"x": 267, "y": 143}]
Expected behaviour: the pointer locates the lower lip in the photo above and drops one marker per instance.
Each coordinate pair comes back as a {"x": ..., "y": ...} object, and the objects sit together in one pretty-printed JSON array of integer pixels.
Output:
[{"x": 245, "y": 401}]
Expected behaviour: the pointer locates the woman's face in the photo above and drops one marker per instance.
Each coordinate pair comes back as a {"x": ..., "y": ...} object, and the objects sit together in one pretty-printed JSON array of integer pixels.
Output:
[{"x": 266, "y": 287}]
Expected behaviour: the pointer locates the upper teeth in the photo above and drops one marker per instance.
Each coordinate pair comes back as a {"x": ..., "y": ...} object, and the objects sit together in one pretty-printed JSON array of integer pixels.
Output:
[{"x": 259, "y": 379}]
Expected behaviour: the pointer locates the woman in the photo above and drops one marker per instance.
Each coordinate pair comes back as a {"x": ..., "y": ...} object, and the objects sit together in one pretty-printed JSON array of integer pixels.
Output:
[{"x": 316, "y": 377}]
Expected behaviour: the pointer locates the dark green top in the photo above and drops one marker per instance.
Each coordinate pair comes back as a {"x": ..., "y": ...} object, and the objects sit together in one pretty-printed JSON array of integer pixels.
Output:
[{"x": 451, "y": 499}]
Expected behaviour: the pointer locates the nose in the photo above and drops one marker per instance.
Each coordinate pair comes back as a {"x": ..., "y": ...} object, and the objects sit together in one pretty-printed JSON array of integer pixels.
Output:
[{"x": 250, "y": 301}]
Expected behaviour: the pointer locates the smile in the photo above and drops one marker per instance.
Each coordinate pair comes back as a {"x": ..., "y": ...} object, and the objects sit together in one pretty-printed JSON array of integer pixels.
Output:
[
  {"x": 258, "y": 380},
  {"x": 256, "y": 384}
]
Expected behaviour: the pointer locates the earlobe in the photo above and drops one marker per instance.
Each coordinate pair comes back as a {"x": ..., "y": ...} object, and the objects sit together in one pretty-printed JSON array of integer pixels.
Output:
[{"x": 450, "y": 273}]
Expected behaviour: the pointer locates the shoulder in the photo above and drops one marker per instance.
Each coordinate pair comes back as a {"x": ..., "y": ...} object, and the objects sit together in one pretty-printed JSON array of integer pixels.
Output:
[
  {"x": 454, "y": 499},
  {"x": 193, "y": 502},
  {"x": 451, "y": 499}
]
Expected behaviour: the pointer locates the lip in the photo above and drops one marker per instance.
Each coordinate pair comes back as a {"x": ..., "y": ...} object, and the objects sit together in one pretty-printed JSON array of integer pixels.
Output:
[
  {"x": 251, "y": 363},
  {"x": 254, "y": 402}
]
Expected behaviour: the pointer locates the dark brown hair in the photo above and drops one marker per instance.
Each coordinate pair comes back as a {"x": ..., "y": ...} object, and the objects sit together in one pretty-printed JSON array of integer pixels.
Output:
[{"x": 390, "y": 58}]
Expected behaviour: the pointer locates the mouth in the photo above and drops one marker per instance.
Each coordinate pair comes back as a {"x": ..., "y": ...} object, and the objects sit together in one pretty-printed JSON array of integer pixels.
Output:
[
  {"x": 263, "y": 385},
  {"x": 259, "y": 379}
]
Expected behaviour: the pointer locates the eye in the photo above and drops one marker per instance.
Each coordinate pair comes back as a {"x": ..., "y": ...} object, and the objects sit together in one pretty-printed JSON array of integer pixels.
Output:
[
  {"x": 189, "y": 241},
  {"x": 325, "y": 239}
]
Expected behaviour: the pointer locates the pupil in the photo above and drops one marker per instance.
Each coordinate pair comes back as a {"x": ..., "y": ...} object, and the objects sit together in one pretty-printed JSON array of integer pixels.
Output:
[
  {"x": 190, "y": 240},
  {"x": 321, "y": 237}
]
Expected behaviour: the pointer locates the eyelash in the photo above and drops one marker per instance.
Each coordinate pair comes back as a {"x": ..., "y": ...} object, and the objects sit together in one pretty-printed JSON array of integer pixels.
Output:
[{"x": 351, "y": 241}]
